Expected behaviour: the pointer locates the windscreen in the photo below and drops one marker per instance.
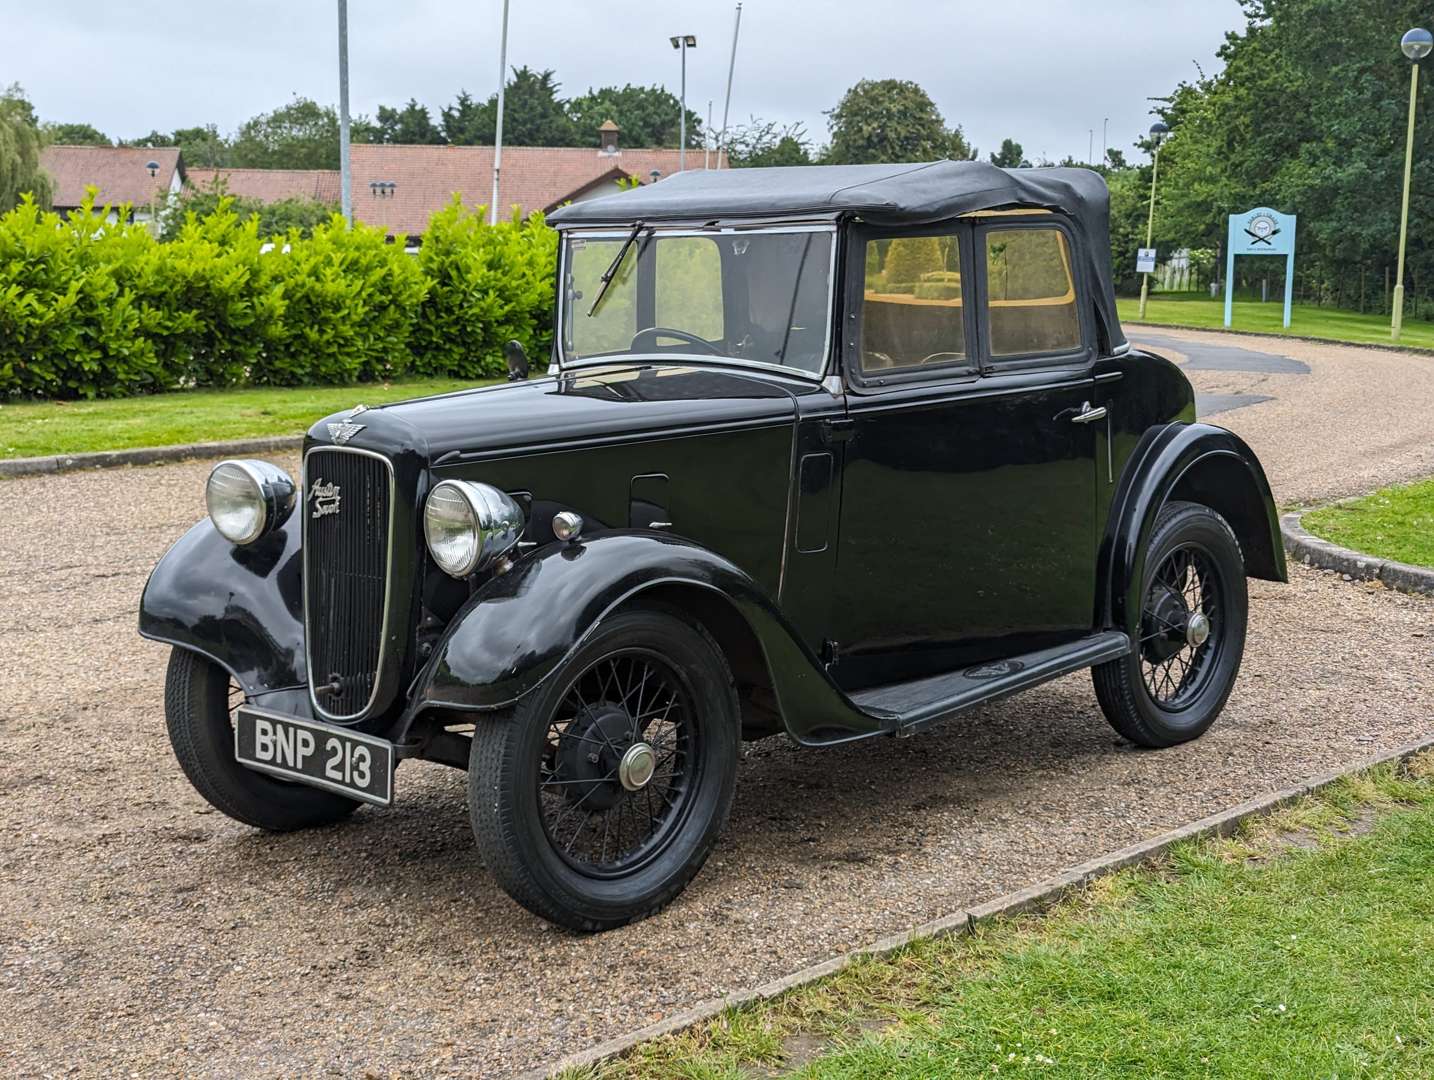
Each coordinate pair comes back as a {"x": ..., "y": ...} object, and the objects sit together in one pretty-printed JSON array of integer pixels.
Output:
[{"x": 760, "y": 297}]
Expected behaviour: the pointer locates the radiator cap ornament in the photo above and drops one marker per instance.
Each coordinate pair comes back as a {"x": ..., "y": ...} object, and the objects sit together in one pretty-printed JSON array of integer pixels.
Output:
[{"x": 342, "y": 433}]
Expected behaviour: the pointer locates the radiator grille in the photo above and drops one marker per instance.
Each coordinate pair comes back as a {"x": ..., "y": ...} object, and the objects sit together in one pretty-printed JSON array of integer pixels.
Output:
[{"x": 347, "y": 508}]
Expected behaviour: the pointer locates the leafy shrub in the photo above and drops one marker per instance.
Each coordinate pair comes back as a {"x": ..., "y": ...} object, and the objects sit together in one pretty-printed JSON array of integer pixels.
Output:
[
  {"x": 94, "y": 306},
  {"x": 349, "y": 299},
  {"x": 488, "y": 285}
]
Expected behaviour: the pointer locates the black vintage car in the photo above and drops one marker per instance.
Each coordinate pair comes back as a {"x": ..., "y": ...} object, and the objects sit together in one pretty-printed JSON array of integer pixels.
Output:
[{"x": 834, "y": 451}]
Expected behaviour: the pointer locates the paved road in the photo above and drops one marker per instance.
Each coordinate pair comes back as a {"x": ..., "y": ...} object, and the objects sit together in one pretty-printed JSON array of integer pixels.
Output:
[{"x": 141, "y": 933}]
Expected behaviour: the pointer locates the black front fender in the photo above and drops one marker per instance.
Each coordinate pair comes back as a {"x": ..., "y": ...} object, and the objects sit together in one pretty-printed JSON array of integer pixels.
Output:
[
  {"x": 1199, "y": 463},
  {"x": 240, "y": 606},
  {"x": 516, "y": 630}
]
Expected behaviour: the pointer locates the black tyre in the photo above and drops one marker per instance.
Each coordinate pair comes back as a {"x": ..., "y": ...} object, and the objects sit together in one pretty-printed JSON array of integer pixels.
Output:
[
  {"x": 1194, "y": 608},
  {"x": 600, "y": 795},
  {"x": 199, "y": 703}
]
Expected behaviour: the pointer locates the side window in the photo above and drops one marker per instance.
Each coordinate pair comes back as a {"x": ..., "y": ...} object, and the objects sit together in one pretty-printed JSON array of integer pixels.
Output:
[
  {"x": 689, "y": 286},
  {"x": 1030, "y": 291},
  {"x": 912, "y": 311}
]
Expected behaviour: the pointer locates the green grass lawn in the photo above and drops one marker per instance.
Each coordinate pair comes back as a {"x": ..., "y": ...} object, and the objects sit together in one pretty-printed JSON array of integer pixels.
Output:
[
  {"x": 1304, "y": 947},
  {"x": 1393, "y": 523},
  {"x": 32, "y": 429},
  {"x": 1185, "y": 309}
]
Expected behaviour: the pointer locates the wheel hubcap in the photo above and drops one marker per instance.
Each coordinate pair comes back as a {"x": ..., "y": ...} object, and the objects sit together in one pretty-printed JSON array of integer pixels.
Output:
[
  {"x": 637, "y": 766},
  {"x": 1197, "y": 629}
]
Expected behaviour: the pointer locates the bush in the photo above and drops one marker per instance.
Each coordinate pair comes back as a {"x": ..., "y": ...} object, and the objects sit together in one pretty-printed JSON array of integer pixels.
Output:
[
  {"x": 488, "y": 285},
  {"x": 93, "y": 306},
  {"x": 348, "y": 299}
]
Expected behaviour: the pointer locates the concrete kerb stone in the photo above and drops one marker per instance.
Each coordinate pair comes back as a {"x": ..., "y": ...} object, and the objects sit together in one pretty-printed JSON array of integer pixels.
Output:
[
  {"x": 1321, "y": 554},
  {"x": 146, "y": 455},
  {"x": 1034, "y": 898}
]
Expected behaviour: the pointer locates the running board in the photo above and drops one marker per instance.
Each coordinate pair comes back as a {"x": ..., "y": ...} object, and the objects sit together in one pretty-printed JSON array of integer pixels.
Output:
[{"x": 909, "y": 706}]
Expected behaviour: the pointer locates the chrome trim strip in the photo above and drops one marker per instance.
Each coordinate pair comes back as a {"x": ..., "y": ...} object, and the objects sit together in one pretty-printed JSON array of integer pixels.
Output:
[{"x": 387, "y": 583}]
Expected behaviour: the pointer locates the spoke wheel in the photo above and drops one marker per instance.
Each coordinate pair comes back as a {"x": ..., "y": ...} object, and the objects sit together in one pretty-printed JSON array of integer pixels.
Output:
[
  {"x": 615, "y": 780},
  {"x": 1191, "y": 632},
  {"x": 1180, "y": 627},
  {"x": 600, "y": 794}
]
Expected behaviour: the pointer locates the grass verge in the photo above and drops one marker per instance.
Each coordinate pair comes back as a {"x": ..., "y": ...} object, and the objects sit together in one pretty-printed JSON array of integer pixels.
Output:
[
  {"x": 1303, "y": 946},
  {"x": 1305, "y": 320},
  {"x": 1392, "y": 523},
  {"x": 35, "y": 429}
]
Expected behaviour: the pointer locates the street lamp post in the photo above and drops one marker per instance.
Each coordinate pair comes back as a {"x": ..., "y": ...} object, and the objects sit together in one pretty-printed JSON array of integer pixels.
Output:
[
  {"x": 1158, "y": 131},
  {"x": 683, "y": 42},
  {"x": 346, "y": 201},
  {"x": 1416, "y": 45}
]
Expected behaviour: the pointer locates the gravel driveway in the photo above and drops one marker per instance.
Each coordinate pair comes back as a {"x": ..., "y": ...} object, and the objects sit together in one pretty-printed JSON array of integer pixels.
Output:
[{"x": 143, "y": 934}]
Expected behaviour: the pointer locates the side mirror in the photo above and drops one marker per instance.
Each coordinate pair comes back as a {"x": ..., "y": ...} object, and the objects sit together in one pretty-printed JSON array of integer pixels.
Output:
[{"x": 517, "y": 361}]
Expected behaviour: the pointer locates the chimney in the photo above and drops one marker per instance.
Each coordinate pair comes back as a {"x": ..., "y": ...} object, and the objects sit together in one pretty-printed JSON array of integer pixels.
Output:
[{"x": 607, "y": 137}]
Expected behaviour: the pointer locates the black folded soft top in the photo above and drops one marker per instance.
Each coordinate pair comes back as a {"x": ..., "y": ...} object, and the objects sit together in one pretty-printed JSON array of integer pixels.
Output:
[{"x": 904, "y": 194}]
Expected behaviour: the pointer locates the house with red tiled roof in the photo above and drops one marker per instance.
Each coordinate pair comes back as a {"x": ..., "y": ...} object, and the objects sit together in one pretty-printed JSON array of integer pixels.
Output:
[
  {"x": 398, "y": 187},
  {"x": 271, "y": 185},
  {"x": 145, "y": 177}
]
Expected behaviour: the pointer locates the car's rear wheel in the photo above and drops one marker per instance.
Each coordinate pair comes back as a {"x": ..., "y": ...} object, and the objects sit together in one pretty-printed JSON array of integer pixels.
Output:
[
  {"x": 199, "y": 703},
  {"x": 1194, "y": 608},
  {"x": 600, "y": 795}
]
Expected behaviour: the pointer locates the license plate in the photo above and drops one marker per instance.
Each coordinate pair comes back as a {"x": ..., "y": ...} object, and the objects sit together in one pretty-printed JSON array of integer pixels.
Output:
[{"x": 359, "y": 766}]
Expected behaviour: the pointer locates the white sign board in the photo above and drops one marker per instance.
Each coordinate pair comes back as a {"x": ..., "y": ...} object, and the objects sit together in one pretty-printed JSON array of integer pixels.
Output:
[{"x": 1145, "y": 261}]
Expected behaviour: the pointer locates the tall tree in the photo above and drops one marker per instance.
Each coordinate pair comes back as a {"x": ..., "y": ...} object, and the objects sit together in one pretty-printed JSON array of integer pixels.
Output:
[
  {"x": 201, "y": 146},
  {"x": 410, "y": 124},
  {"x": 74, "y": 135},
  {"x": 760, "y": 143},
  {"x": 648, "y": 116},
  {"x": 468, "y": 122},
  {"x": 532, "y": 113},
  {"x": 881, "y": 120},
  {"x": 20, "y": 170},
  {"x": 1010, "y": 156},
  {"x": 300, "y": 135}
]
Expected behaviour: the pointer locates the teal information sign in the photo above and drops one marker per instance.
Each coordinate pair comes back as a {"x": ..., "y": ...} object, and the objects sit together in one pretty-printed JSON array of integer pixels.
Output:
[{"x": 1260, "y": 231}]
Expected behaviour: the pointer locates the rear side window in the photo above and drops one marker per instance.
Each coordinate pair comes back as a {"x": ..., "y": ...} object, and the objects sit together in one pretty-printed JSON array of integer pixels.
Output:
[
  {"x": 1030, "y": 293},
  {"x": 912, "y": 311}
]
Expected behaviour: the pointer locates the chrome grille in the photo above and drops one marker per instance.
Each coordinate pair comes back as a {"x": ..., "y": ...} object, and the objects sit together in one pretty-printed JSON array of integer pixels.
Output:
[{"x": 348, "y": 507}]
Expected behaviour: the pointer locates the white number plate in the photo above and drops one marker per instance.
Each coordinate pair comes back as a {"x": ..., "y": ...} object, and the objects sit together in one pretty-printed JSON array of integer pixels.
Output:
[{"x": 359, "y": 766}]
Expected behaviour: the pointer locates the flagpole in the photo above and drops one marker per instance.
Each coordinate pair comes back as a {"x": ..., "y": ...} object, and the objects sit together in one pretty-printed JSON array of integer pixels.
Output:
[{"x": 498, "y": 131}]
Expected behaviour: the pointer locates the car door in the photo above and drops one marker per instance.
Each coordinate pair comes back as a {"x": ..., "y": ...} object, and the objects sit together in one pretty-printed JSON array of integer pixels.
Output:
[{"x": 967, "y": 523}]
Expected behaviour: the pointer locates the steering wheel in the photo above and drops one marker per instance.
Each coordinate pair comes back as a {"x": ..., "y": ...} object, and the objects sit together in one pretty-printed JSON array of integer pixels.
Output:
[{"x": 655, "y": 332}]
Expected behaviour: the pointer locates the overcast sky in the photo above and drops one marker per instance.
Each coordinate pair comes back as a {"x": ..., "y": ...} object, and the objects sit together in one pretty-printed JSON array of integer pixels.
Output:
[{"x": 1044, "y": 72}]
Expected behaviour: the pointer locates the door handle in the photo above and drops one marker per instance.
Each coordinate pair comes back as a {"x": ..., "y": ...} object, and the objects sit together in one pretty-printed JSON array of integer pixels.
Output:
[{"x": 1088, "y": 415}]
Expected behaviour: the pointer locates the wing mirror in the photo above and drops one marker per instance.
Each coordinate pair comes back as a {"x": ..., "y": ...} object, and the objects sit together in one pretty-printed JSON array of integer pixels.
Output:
[{"x": 517, "y": 361}]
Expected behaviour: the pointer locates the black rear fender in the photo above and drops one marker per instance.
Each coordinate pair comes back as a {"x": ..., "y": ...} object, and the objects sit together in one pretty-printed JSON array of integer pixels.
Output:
[{"x": 1197, "y": 463}]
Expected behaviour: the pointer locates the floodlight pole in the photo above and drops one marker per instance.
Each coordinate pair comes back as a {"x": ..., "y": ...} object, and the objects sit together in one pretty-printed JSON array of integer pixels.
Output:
[
  {"x": 1397, "y": 319},
  {"x": 1150, "y": 222},
  {"x": 682, "y": 121},
  {"x": 498, "y": 129},
  {"x": 346, "y": 199}
]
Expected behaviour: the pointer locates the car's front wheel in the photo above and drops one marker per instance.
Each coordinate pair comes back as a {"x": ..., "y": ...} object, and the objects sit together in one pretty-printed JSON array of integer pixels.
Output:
[
  {"x": 199, "y": 703},
  {"x": 599, "y": 796},
  {"x": 1174, "y": 683}
]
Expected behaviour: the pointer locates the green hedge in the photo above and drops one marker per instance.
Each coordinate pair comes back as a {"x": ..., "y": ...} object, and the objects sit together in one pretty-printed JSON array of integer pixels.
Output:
[{"x": 92, "y": 307}]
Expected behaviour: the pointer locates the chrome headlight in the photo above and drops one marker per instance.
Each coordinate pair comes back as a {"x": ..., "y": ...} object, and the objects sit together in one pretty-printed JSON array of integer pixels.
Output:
[
  {"x": 248, "y": 499},
  {"x": 469, "y": 525}
]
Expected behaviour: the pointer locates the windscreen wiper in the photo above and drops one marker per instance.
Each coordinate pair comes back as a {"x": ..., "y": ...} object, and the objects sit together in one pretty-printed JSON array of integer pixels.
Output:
[{"x": 611, "y": 271}]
